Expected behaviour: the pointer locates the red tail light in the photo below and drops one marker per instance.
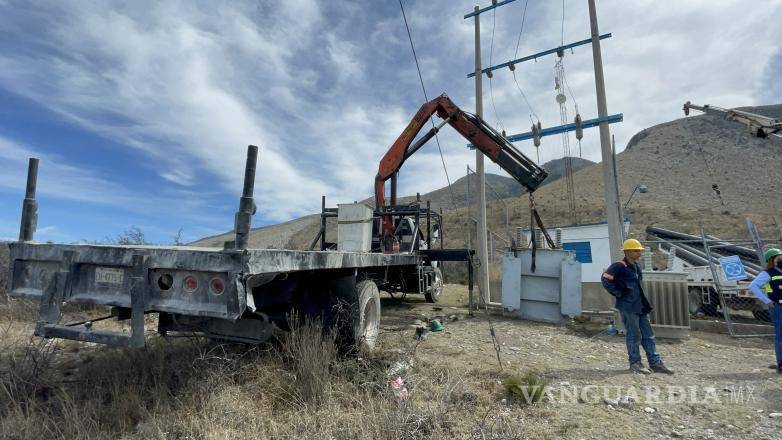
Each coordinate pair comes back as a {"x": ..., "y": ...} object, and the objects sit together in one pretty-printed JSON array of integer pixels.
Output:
[
  {"x": 190, "y": 283},
  {"x": 217, "y": 285}
]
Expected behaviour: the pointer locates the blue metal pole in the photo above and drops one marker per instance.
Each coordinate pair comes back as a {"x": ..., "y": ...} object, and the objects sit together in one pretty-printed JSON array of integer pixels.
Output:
[
  {"x": 488, "y": 8},
  {"x": 539, "y": 54},
  {"x": 562, "y": 128}
]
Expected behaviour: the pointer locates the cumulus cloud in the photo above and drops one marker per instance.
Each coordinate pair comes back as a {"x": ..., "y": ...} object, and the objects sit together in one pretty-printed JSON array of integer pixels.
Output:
[{"x": 325, "y": 88}]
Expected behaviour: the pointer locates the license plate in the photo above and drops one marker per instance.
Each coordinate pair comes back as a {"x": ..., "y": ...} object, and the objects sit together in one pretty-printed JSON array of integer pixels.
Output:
[{"x": 108, "y": 275}]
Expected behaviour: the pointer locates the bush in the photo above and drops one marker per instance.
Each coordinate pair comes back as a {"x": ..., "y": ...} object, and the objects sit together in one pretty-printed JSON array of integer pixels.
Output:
[
  {"x": 527, "y": 388},
  {"x": 312, "y": 353}
]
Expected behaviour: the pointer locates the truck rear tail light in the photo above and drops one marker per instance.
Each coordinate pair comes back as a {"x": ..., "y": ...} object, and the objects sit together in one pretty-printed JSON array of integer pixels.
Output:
[
  {"x": 190, "y": 283},
  {"x": 217, "y": 285}
]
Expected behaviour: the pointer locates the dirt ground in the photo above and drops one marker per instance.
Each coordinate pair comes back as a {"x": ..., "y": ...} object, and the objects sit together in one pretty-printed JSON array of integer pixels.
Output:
[
  {"x": 734, "y": 390},
  {"x": 185, "y": 388}
]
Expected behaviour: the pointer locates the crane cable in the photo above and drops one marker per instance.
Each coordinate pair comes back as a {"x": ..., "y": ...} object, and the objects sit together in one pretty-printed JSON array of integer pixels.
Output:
[
  {"x": 493, "y": 333},
  {"x": 714, "y": 186},
  {"x": 421, "y": 78},
  {"x": 516, "y": 81}
]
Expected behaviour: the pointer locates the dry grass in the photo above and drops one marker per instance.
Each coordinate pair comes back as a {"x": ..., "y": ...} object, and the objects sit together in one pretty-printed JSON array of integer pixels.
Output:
[{"x": 298, "y": 387}]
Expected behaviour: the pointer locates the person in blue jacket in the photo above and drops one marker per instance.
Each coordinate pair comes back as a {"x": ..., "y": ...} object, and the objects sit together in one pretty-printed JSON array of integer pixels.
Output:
[
  {"x": 623, "y": 280},
  {"x": 767, "y": 287}
]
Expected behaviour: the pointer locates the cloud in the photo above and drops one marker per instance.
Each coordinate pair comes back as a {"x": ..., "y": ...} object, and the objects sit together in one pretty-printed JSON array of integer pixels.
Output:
[
  {"x": 94, "y": 188},
  {"x": 325, "y": 88}
]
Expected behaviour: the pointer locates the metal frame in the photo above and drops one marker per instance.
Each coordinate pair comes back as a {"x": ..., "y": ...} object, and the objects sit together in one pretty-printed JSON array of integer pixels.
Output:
[
  {"x": 535, "y": 56},
  {"x": 721, "y": 292}
]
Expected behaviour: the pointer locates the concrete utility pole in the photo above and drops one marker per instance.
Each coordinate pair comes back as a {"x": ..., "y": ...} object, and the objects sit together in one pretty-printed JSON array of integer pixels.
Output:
[
  {"x": 609, "y": 176},
  {"x": 482, "y": 241}
]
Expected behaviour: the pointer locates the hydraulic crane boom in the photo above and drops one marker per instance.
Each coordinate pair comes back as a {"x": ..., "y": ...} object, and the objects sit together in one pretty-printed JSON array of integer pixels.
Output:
[
  {"x": 758, "y": 125},
  {"x": 474, "y": 129}
]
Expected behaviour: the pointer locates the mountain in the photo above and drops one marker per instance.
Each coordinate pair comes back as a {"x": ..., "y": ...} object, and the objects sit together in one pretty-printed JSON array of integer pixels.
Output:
[
  {"x": 700, "y": 171},
  {"x": 498, "y": 187}
]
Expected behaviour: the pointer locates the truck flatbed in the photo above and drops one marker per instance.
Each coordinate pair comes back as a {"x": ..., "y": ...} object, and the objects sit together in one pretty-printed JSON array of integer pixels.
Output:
[{"x": 99, "y": 274}]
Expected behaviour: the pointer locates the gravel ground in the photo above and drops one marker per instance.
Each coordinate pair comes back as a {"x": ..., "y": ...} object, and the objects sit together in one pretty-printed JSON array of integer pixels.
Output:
[{"x": 722, "y": 388}]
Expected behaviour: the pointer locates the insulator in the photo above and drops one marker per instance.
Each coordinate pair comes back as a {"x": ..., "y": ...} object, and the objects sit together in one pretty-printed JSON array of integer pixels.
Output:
[
  {"x": 579, "y": 128},
  {"x": 561, "y": 53},
  {"x": 556, "y": 83},
  {"x": 489, "y": 74},
  {"x": 503, "y": 134},
  {"x": 536, "y": 134},
  {"x": 512, "y": 67}
]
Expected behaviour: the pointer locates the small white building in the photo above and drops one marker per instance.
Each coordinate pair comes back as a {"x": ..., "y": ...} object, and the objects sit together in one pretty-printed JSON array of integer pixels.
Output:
[{"x": 590, "y": 244}]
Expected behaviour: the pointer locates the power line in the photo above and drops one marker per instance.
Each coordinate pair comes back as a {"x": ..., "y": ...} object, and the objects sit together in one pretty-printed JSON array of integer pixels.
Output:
[
  {"x": 562, "y": 36},
  {"x": 518, "y": 40},
  {"x": 421, "y": 78},
  {"x": 491, "y": 89}
]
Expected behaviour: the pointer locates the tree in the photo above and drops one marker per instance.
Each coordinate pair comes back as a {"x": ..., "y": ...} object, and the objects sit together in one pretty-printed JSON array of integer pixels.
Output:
[
  {"x": 134, "y": 235},
  {"x": 178, "y": 238}
]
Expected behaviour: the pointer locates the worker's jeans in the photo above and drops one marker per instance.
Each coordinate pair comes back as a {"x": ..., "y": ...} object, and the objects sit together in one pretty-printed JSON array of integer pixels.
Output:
[
  {"x": 776, "y": 318},
  {"x": 638, "y": 330}
]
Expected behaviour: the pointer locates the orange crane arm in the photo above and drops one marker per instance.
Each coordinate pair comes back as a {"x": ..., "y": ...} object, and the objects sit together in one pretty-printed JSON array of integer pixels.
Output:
[{"x": 474, "y": 129}]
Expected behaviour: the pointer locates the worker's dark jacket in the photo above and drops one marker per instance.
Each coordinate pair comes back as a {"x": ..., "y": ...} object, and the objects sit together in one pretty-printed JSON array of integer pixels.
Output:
[{"x": 624, "y": 281}]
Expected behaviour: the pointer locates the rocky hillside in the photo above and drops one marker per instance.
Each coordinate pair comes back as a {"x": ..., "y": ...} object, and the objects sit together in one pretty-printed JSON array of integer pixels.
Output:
[
  {"x": 295, "y": 232},
  {"x": 699, "y": 171}
]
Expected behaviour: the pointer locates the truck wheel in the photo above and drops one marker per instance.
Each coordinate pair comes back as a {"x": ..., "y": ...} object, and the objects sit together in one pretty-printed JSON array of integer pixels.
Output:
[
  {"x": 695, "y": 300},
  {"x": 360, "y": 326},
  {"x": 436, "y": 287}
]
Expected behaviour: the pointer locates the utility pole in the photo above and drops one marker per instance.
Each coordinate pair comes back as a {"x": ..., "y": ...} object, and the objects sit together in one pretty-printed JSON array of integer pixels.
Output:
[
  {"x": 609, "y": 176},
  {"x": 482, "y": 241}
]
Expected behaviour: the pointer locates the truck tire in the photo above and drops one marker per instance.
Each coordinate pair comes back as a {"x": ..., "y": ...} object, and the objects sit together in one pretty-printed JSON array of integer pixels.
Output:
[
  {"x": 360, "y": 318},
  {"x": 436, "y": 284},
  {"x": 695, "y": 300}
]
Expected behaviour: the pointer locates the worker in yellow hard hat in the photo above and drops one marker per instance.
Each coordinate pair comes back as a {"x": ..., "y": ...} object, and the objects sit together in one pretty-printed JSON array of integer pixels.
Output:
[{"x": 624, "y": 280}]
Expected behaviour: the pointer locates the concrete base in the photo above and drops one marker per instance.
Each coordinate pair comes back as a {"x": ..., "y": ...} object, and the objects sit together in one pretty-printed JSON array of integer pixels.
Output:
[
  {"x": 660, "y": 331},
  {"x": 715, "y": 326},
  {"x": 594, "y": 297}
]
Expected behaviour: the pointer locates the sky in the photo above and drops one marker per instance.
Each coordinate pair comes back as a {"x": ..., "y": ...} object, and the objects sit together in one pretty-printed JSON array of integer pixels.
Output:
[{"x": 141, "y": 112}]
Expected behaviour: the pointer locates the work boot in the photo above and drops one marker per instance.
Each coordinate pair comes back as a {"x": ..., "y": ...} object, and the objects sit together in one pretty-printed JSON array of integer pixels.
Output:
[
  {"x": 661, "y": 368},
  {"x": 639, "y": 368}
]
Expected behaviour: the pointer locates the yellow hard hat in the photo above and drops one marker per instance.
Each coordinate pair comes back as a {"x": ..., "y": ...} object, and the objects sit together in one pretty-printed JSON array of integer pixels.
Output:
[{"x": 631, "y": 244}]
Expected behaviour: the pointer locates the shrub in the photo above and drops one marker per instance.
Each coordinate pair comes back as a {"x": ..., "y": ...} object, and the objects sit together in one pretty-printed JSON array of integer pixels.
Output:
[{"x": 527, "y": 388}]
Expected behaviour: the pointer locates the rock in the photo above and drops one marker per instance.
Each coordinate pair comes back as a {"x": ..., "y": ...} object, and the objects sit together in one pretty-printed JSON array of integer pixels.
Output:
[
  {"x": 611, "y": 407},
  {"x": 775, "y": 415},
  {"x": 675, "y": 433},
  {"x": 626, "y": 401},
  {"x": 610, "y": 402},
  {"x": 680, "y": 427},
  {"x": 650, "y": 410}
]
